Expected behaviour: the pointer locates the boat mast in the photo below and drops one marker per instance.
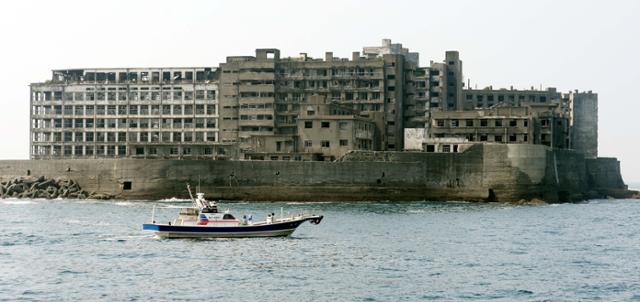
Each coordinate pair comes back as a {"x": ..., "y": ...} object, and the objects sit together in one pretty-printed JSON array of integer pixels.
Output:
[{"x": 193, "y": 200}]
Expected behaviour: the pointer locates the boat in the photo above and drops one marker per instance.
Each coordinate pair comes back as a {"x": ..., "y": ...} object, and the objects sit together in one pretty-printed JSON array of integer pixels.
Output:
[{"x": 204, "y": 220}]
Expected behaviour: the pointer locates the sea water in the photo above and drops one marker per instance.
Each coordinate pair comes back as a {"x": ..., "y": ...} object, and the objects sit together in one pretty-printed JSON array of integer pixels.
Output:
[{"x": 68, "y": 250}]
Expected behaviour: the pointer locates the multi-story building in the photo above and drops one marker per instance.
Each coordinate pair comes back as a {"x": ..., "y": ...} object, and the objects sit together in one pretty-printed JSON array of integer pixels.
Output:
[
  {"x": 263, "y": 95},
  {"x": 253, "y": 107},
  {"x": 446, "y": 83},
  {"x": 332, "y": 129},
  {"x": 126, "y": 112},
  {"x": 542, "y": 124}
]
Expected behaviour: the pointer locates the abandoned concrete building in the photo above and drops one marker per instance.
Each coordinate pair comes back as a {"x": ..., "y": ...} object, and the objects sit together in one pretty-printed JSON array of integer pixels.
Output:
[
  {"x": 268, "y": 107},
  {"x": 541, "y": 124},
  {"x": 127, "y": 112}
]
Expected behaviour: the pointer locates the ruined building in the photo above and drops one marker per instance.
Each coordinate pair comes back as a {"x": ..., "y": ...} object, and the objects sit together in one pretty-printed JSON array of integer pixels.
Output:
[
  {"x": 126, "y": 112},
  {"x": 270, "y": 107}
]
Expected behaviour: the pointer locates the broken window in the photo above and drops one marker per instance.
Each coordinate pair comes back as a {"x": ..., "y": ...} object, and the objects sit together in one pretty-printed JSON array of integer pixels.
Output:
[
  {"x": 199, "y": 94},
  {"x": 469, "y": 123}
]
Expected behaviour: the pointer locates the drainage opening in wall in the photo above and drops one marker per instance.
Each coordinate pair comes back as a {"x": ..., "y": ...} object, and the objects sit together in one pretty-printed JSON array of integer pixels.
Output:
[{"x": 126, "y": 185}]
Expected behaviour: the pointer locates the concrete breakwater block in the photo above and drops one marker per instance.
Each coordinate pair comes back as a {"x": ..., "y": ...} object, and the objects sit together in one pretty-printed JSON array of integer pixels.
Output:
[{"x": 41, "y": 187}]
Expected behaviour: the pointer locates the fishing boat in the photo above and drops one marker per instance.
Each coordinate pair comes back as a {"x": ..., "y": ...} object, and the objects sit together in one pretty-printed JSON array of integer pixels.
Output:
[{"x": 204, "y": 220}]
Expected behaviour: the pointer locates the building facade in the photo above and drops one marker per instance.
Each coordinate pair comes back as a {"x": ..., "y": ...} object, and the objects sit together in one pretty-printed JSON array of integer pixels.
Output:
[
  {"x": 264, "y": 95},
  {"x": 257, "y": 107},
  {"x": 541, "y": 124},
  {"x": 127, "y": 112}
]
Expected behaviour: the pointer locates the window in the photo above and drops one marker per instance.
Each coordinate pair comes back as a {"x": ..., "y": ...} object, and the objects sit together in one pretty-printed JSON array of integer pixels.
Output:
[
  {"x": 544, "y": 123},
  {"x": 526, "y": 123},
  {"x": 139, "y": 151},
  {"x": 454, "y": 123},
  {"x": 325, "y": 124},
  {"x": 126, "y": 185},
  {"x": 483, "y": 123},
  {"x": 308, "y": 124},
  {"x": 512, "y": 138},
  {"x": 446, "y": 148},
  {"x": 344, "y": 142},
  {"x": 469, "y": 123},
  {"x": 325, "y": 144},
  {"x": 308, "y": 143},
  {"x": 513, "y": 123},
  {"x": 440, "y": 123},
  {"x": 498, "y": 123},
  {"x": 483, "y": 138}
]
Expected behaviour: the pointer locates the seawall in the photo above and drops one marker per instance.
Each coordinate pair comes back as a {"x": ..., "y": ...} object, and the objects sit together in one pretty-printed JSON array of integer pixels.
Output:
[{"x": 487, "y": 172}]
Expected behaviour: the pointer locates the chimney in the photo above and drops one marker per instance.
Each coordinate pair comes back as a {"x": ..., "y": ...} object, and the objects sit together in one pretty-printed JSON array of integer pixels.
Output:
[{"x": 355, "y": 55}]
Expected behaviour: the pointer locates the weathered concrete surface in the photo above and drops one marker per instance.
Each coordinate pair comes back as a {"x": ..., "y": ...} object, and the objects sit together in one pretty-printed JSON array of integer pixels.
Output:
[{"x": 482, "y": 173}]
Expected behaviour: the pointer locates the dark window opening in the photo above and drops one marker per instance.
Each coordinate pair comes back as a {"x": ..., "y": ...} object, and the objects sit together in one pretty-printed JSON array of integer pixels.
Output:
[{"x": 126, "y": 185}]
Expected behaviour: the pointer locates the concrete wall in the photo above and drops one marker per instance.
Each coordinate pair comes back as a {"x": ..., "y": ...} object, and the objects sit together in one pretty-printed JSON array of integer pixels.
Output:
[{"x": 483, "y": 172}]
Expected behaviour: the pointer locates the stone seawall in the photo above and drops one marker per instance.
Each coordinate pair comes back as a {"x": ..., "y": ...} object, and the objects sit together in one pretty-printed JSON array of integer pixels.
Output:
[{"x": 481, "y": 173}]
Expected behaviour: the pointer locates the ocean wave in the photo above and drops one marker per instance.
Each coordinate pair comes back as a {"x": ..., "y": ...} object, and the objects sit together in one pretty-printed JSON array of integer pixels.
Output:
[{"x": 17, "y": 201}]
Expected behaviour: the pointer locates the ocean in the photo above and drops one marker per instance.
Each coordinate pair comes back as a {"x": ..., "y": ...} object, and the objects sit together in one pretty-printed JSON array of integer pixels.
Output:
[{"x": 70, "y": 250}]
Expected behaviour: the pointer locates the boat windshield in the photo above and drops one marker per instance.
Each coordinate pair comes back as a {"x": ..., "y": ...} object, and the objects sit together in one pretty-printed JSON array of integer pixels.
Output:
[{"x": 228, "y": 216}]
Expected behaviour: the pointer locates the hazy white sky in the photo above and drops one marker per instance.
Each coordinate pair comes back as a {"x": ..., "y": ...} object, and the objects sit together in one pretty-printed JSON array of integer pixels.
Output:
[{"x": 585, "y": 45}]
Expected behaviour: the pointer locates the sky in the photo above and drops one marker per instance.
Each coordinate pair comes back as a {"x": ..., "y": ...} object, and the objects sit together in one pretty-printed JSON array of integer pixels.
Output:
[{"x": 584, "y": 45}]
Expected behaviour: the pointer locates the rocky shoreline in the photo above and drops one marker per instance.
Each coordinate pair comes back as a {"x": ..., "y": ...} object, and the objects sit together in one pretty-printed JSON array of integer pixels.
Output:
[{"x": 48, "y": 188}]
